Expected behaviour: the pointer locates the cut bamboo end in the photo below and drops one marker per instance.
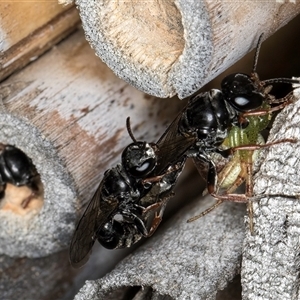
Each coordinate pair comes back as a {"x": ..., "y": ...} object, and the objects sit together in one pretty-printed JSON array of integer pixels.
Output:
[
  {"x": 145, "y": 38},
  {"x": 174, "y": 47},
  {"x": 35, "y": 228}
]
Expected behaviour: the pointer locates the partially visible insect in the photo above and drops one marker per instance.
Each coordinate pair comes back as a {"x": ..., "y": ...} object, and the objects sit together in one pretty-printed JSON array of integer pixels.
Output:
[
  {"x": 253, "y": 105},
  {"x": 131, "y": 198},
  {"x": 17, "y": 169}
]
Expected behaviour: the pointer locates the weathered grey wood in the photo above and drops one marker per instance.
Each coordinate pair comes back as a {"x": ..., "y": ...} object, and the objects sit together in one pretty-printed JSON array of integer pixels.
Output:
[
  {"x": 40, "y": 278},
  {"x": 182, "y": 260},
  {"x": 270, "y": 267},
  {"x": 174, "y": 47},
  {"x": 67, "y": 112}
]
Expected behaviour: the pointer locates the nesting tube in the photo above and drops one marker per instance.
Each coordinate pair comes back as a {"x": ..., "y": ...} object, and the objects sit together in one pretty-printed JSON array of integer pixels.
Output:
[{"x": 174, "y": 47}]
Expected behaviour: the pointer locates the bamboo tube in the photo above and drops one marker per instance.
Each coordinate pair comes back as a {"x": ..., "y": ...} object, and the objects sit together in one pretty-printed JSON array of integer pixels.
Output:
[{"x": 174, "y": 47}]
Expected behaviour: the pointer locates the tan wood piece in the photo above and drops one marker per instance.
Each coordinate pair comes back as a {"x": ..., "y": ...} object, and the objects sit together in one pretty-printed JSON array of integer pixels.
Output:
[{"x": 28, "y": 29}]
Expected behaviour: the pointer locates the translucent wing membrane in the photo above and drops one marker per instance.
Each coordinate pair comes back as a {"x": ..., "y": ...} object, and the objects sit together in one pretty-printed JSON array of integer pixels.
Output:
[
  {"x": 84, "y": 237},
  {"x": 172, "y": 145}
]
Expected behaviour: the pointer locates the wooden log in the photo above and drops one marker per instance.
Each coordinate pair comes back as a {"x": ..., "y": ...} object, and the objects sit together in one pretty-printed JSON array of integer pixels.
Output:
[
  {"x": 67, "y": 112},
  {"x": 174, "y": 47},
  {"x": 29, "y": 29}
]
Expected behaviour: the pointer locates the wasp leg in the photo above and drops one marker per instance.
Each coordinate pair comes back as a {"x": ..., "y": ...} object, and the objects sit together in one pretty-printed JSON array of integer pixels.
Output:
[
  {"x": 157, "y": 178},
  {"x": 205, "y": 212},
  {"x": 254, "y": 147},
  {"x": 151, "y": 208},
  {"x": 155, "y": 223},
  {"x": 288, "y": 99},
  {"x": 285, "y": 101},
  {"x": 249, "y": 194},
  {"x": 211, "y": 185},
  {"x": 157, "y": 215}
]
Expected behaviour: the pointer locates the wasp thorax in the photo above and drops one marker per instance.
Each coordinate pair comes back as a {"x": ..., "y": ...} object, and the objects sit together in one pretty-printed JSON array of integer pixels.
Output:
[
  {"x": 21, "y": 189},
  {"x": 139, "y": 159}
]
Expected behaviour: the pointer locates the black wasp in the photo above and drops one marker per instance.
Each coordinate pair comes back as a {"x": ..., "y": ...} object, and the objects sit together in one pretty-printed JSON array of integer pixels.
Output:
[
  {"x": 17, "y": 168},
  {"x": 130, "y": 200}
]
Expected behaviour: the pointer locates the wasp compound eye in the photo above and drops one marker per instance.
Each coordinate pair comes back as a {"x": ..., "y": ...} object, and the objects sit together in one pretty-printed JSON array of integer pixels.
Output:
[
  {"x": 21, "y": 187},
  {"x": 139, "y": 159}
]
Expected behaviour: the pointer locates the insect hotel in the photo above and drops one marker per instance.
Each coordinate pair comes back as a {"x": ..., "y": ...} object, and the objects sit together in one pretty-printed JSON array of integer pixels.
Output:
[{"x": 73, "y": 171}]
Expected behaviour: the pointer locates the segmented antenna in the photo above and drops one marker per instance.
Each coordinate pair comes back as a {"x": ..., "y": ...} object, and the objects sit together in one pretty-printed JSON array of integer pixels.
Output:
[
  {"x": 257, "y": 53},
  {"x": 273, "y": 80},
  {"x": 281, "y": 80},
  {"x": 129, "y": 130}
]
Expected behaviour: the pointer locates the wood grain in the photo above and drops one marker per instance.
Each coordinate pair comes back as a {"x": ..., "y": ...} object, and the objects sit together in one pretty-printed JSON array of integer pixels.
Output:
[{"x": 29, "y": 29}]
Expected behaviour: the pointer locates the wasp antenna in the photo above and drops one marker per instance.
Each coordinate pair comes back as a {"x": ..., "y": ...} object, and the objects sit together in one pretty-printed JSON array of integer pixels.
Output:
[
  {"x": 129, "y": 130},
  {"x": 280, "y": 80},
  {"x": 257, "y": 53}
]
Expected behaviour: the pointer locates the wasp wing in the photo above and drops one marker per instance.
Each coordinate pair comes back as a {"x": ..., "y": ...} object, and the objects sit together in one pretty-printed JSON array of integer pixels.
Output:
[
  {"x": 92, "y": 219},
  {"x": 172, "y": 145}
]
